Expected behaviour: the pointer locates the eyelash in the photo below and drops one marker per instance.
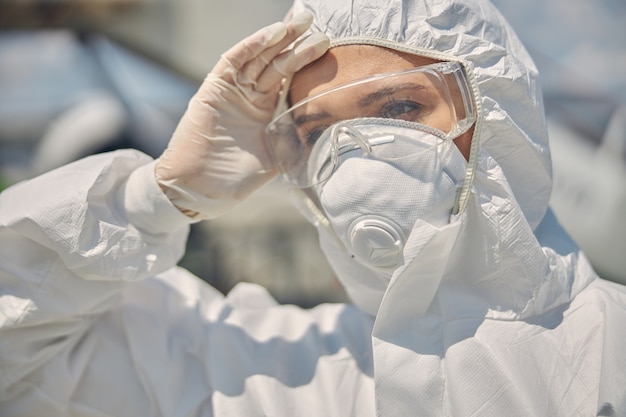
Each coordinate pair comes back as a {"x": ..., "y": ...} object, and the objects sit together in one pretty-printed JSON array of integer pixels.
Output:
[{"x": 409, "y": 106}]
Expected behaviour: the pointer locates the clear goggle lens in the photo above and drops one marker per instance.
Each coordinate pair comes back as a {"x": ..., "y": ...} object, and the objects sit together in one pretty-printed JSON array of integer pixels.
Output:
[{"x": 435, "y": 99}]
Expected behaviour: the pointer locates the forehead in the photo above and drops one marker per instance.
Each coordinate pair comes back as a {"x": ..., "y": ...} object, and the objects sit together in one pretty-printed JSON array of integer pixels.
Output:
[{"x": 347, "y": 63}]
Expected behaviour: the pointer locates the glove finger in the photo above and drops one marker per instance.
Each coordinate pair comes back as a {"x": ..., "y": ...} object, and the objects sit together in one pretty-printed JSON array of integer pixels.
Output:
[
  {"x": 267, "y": 37},
  {"x": 304, "y": 52},
  {"x": 252, "y": 69}
]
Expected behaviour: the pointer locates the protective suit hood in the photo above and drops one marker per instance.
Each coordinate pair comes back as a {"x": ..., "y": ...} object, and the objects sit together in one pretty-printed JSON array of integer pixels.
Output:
[
  {"x": 514, "y": 131},
  {"x": 497, "y": 253}
]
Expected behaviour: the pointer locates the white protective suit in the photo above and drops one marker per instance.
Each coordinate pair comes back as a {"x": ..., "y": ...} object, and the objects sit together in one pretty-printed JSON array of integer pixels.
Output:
[{"x": 96, "y": 319}]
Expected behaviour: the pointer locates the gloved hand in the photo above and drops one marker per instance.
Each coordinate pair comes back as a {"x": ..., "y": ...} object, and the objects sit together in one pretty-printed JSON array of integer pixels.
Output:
[{"x": 217, "y": 154}]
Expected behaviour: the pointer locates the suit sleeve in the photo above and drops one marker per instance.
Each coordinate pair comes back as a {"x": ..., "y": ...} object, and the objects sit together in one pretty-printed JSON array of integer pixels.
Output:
[{"x": 70, "y": 240}]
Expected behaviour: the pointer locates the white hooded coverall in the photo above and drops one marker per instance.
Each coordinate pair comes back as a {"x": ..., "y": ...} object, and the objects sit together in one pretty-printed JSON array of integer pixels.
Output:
[{"x": 96, "y": 319}]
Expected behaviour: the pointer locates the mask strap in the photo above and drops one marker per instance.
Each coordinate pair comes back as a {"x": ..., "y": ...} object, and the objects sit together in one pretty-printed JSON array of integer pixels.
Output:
[
  {"x": 470, "y": 173},
  {"x": 312, "y": 208}
]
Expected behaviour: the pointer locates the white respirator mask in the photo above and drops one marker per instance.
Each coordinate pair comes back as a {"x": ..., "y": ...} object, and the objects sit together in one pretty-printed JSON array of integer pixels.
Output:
[{"x": 383, "y": 179}]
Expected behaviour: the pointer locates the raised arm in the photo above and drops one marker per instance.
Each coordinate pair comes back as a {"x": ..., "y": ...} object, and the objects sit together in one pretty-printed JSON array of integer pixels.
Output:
[{"x": 69, "y": 242}]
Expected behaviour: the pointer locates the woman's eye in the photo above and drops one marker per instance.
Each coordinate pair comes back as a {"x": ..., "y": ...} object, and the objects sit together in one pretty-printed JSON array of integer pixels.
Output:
[{"x": 401, "y": 109}]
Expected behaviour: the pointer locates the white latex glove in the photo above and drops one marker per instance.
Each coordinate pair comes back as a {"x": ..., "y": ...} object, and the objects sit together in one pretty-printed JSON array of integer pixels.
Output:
[{"x": 217, "y": 155}]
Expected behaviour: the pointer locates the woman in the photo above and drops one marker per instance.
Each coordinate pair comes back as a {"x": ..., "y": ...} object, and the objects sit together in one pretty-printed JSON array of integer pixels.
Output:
[{"x": 419, "y": 147}]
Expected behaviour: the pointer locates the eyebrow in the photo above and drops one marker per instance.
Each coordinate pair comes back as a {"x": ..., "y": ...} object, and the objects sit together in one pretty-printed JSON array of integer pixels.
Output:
[
  {"x": 363, "y": 102},
  {"x": 383, "y": 92},
  {"x": 313, "y": 117}
]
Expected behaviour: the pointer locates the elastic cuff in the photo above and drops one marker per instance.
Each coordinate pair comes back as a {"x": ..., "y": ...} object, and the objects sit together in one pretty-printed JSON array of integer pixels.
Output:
[{"x": 148, "y": 207}]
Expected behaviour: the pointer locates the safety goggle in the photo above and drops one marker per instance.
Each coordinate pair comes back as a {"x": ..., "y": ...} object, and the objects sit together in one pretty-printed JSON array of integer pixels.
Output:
[{"x": 434, "y": 98}]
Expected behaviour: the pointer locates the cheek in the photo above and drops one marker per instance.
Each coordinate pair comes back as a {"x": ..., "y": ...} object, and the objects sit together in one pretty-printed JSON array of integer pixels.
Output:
[{"x": 440, "y": 118}]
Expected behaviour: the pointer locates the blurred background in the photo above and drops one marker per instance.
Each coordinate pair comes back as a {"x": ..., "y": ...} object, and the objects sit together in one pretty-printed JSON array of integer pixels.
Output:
[{"x": 84, "y": 76}]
